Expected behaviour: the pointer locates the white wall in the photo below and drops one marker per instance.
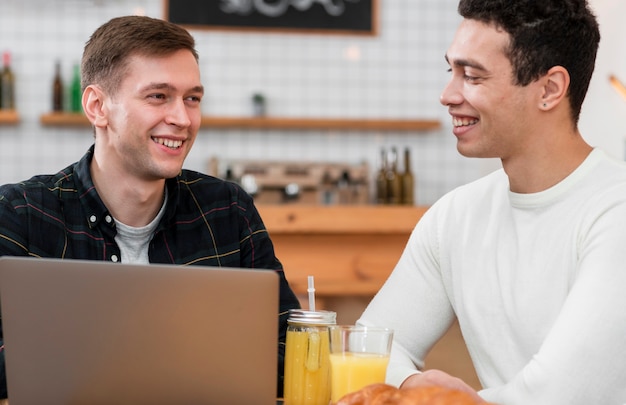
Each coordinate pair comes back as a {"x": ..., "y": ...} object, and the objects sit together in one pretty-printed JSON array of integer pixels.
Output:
[
  {"x": 602, "y": 121},
  {"x": 399, "y": 74}
]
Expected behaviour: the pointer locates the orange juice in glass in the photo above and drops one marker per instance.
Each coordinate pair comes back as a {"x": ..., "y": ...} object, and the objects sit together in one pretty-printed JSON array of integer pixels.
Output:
[{"x": 359, "y": 356}]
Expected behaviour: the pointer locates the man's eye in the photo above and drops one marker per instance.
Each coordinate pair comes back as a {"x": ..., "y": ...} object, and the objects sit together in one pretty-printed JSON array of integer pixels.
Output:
[{"x": 158, "y": 96}]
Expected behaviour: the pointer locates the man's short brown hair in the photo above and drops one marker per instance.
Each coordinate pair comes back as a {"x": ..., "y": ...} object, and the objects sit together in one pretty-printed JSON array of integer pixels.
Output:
[{"x": 107, "y": 52}]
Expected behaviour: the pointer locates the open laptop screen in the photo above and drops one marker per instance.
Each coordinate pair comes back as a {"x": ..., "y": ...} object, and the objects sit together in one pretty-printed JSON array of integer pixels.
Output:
[{"x": 89, "y": 332}]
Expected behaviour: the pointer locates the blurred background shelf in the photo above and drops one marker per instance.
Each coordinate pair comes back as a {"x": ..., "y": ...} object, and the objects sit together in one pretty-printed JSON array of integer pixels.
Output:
[
  {"x": 321, "y": 123},
  {"x": 277, "y": 123},
  {"x": 9, "y": 117},
  {"x": 62, "y": 119}
]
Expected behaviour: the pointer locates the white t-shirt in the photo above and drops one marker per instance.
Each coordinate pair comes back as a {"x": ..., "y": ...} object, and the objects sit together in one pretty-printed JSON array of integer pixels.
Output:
[
  {"x": 134, "y": 242},
  {"x": 537, "y": 282}
]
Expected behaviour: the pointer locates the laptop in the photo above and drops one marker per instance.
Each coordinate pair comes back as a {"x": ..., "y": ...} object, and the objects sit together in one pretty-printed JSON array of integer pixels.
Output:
[{"x": 91, "y": 332}]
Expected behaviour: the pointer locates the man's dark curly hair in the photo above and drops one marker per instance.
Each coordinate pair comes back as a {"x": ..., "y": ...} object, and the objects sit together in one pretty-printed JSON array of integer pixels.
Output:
[{"x": 544, "y": 33}]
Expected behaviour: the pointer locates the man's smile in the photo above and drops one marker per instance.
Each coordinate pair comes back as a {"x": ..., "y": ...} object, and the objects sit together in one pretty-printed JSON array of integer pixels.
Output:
[
  {"x": 463, "y": 122},
  {"x": 170, "y": 143}
]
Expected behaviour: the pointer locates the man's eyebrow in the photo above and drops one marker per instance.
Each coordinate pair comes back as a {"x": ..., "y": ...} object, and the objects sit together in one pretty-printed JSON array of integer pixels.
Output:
[
  {"x": 466, "y": 63},
  {"x": 167, "y": 86},
  {"x": 198, "y": 89},
  {"x": 157, "y": 86}
]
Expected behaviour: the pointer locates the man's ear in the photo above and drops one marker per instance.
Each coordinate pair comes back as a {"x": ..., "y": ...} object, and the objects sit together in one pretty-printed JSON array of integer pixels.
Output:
[
  {"x": 94, "y": 106},
  {"x": 555, "y": 86}
]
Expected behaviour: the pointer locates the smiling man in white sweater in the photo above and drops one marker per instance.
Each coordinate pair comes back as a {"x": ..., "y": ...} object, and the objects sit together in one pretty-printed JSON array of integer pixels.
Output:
[{"x": 531, "y": 259}]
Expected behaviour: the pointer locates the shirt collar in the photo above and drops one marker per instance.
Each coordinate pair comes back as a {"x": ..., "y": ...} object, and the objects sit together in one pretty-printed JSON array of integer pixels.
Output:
[{"x": 93, "y": 206}]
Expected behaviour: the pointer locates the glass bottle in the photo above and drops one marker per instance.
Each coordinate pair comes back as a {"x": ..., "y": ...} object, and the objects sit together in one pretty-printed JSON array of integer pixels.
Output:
[
  {"x": 76, "y": 94},
  {"x": 7, "y": 79},
  {"x": 344, "y": 188},
  {"x": 307, "y": 362},
  {"x": 408, "y": 180},
  {"x": 327, "y": 189},
  {"x": 57, "y": 89},
  {"x": 394, "y": 183},
  {"x": 381, "y": 179}
]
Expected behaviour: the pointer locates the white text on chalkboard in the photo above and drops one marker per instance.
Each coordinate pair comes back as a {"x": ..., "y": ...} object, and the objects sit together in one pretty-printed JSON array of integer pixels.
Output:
[{"x": 278, "y": 8}]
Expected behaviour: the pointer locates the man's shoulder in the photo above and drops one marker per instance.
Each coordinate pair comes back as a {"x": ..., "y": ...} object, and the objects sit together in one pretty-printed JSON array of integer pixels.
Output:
[
  {"x": 487, "y": 185},
  {"x": 193, "y": 176},
  {"x": 481, "y": 194},
  {"x": 606, "y": 164},
  {"x": 193, "y": 180},
  {"x": 209, "y": 189},
  {"x": 39, "y": 183},
  {"x": 39, "y": 186},
  {"x": 193, "y": 190}
]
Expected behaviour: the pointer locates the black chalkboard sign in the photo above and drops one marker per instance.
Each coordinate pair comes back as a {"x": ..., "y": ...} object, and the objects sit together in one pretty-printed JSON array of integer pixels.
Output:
[{"x": 329, "y": 16}]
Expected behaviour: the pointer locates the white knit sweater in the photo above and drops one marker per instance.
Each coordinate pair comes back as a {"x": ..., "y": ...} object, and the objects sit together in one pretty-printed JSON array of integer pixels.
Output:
[{"x": 537, "y": 281}]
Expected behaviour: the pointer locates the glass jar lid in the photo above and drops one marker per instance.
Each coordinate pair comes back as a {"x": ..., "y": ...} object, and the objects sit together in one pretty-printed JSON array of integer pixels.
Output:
[{"x": 312, "y": 317}]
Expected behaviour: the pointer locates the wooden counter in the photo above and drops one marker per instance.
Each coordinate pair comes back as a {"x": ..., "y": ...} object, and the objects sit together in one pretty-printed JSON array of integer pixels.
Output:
[{"x": 350, "y": 250}]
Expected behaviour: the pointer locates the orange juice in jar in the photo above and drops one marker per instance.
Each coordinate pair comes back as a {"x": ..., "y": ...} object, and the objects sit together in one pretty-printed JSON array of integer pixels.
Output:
[{"x": 307, "y": 365}]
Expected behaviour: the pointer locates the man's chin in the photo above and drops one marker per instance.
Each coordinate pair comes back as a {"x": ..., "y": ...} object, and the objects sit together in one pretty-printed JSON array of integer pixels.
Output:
[
  {"x": 468, "y": 152},
  {"x": 171, "y": 175},
  {"x": 165, "y": 174}
]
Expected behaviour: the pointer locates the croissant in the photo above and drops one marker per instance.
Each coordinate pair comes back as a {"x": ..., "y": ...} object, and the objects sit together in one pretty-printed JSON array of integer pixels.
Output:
[{"x": 384, "y": 394}]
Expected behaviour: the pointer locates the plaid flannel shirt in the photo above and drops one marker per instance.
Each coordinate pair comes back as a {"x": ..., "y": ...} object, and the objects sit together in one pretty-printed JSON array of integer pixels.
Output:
[{"x": 207, "y": 222}]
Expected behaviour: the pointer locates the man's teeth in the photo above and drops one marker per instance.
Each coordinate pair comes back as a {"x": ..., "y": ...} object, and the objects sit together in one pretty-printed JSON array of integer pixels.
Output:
[
  {"x": 463, "y": 122},
  {"x": 170, "y": 143}
]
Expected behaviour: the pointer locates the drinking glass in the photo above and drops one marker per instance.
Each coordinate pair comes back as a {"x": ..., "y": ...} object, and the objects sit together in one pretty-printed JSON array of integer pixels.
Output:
[{"x": 359, "y": 356}]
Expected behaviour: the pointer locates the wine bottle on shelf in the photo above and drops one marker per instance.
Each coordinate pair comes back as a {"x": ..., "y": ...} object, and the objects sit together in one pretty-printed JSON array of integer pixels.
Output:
[
  {"x": 328, "y": 191},
  {"x": 408, "y": 180},
  {"x": 381, "y": 179},
  {"x": 57, "y": 89},
  {"x": 344, "y": 188},
  {"x": 7, "y": 80},
  {"x": 76, "y": 94},
  {"x": 394, "y": 183}
]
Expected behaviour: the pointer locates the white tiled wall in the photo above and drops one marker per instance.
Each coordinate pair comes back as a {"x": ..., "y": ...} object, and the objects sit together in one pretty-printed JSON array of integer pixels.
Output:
[{"x": 397, "y": 74}]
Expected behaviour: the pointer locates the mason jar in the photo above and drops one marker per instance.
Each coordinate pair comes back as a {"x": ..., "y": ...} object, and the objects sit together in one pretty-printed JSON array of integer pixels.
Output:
[{"x": 307, "y": 365}]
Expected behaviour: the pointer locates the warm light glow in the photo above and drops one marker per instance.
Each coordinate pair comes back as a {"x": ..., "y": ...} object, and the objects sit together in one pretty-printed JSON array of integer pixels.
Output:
[
  {"x": 618, "y": 85},
  {"x": 352, "y": 53},
  {"x": 139, "y": 11}
]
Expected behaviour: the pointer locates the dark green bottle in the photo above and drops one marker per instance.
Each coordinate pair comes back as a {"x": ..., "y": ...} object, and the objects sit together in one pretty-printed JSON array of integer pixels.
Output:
[{"x": 76, "y": 94}]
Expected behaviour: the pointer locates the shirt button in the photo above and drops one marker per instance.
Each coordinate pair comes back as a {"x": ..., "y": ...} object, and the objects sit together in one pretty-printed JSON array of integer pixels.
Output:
[
  {"x": 92, "y": 218},
  {"x": 108, "y": 219},
  {"x": 114, "y": 258}
]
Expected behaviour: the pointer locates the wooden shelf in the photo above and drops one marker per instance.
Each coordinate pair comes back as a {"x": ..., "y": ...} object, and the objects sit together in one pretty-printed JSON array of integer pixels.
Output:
[
  {"x": 340, "y": 219},
  {"x": 321, "y": 123},
  {"x": 9, "y": 117},
  {"x": 402, "y": 125},
  {"x": 63, "y": 119}
]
